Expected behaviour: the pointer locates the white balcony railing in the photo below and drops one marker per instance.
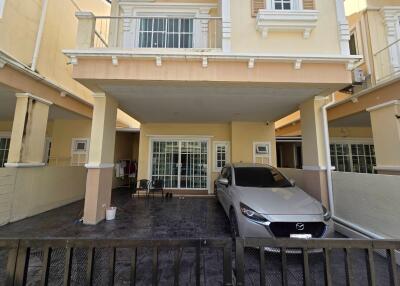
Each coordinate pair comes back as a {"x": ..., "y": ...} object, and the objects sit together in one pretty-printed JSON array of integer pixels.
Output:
[
  {"x": 152, "y": 32},
  {"x": 387, "y": 61}
]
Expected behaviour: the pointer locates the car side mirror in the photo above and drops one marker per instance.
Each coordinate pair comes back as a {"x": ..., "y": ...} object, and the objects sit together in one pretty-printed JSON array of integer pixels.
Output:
[
  {"x": 223, "y": 181},
  {"x": 292, "y": 182}
]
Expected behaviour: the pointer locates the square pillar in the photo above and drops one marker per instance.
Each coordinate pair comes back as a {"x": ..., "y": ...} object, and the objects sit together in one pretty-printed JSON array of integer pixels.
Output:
[
  {"x": 314, "y": 163},
  {"x": 101, "y": 159},
  {"x": 385, "y": 122},
  {"x": 28, "y": 136}
]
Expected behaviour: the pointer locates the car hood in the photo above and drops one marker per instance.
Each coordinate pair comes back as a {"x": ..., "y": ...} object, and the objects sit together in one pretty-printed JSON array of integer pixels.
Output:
[{"x": 279, "y": 201}]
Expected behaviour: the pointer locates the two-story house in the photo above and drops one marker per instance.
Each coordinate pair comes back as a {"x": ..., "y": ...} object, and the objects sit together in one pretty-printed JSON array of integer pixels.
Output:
[{"x": 207, "y": 80}]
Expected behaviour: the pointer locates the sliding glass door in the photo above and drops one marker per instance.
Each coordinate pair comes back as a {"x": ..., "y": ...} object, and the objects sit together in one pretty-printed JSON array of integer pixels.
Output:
[{"x": 181, "y": 164}]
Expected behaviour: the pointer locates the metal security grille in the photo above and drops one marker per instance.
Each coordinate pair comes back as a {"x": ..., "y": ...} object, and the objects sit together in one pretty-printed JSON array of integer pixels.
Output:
[
  {"x": 166, "y": 33},
  {"x": 347, "y": 157}
]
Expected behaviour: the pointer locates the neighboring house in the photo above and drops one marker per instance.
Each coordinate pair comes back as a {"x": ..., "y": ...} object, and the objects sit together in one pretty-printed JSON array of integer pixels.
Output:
[
  {"x": 45, "y": 115},
  {"x": 206, "y": 79},
  {"x": 364, "y": 122}
]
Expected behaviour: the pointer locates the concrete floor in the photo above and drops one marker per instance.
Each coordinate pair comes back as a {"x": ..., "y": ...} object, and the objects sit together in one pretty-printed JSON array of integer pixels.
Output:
[{"x": 166, "y": 219}]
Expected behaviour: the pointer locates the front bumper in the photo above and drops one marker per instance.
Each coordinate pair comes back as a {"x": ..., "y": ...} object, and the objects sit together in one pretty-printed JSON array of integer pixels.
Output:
[{"x": 249, "y": 228}]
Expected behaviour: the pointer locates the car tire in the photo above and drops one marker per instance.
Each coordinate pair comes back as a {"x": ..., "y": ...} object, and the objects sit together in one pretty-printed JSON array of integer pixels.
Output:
[{"x": 233, "y": 224}]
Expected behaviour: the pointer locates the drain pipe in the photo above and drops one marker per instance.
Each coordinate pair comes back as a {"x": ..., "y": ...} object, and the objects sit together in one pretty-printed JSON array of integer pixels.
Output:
[
  {"x": 327, "y": 154},
  {"x": 347, "y": 224},
  {"x": 39, "y": 36}
]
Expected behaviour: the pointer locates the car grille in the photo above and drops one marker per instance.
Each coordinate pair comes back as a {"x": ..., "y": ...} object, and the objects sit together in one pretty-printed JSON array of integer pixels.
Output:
[{"x": 285, "y": 229}]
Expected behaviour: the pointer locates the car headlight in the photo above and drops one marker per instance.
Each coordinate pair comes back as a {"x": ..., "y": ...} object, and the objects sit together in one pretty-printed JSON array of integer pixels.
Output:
[
  {"x": 251, "y": 214},
  {"x": 327, "y": 214}
]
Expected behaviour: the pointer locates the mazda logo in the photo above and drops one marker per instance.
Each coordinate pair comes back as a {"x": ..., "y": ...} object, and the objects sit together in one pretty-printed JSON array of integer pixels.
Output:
[{"x": 300, "y": 226}]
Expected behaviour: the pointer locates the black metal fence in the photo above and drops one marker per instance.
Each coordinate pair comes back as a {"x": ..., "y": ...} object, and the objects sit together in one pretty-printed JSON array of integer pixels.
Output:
[
  {"x": 198, "y": 262},
  {"x": 317, "y": 262}
]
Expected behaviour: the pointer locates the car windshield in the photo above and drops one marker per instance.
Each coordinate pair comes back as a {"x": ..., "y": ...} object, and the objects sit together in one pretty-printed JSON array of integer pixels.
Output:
[{"x": 260, "y": 177}]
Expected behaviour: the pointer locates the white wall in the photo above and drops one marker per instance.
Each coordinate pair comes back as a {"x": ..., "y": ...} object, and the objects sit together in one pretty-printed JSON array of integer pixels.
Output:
[
  {"x": 370, "y": 201},
  {"x": 25, "y": 192}
]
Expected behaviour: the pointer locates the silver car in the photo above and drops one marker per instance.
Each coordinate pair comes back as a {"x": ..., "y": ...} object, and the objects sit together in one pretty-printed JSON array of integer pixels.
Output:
[{"x": 261, "y": 202}]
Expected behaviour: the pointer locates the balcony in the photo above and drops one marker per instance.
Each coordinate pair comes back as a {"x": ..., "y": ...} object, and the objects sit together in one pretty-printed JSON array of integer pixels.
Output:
[
  {"x": 144, "y": 33},
  {"x": 387, "y": 62}
]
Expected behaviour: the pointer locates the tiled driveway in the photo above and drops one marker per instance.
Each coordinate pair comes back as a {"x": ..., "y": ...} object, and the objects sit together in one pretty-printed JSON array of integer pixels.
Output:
[
  {"x": 138, "y": 218},
  {"x": 166, "y": 219}
]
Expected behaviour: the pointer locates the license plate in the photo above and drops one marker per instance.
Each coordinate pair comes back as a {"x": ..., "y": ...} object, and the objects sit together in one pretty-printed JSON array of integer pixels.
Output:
[{"x": 301, "y": 236}]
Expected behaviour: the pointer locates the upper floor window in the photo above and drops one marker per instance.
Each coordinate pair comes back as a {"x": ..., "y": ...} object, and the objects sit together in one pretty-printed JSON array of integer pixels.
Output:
[
  {"x": 282, "y": 4},
  {"x": 256, "y": 5},
  {"x": 166, "y": 33}
]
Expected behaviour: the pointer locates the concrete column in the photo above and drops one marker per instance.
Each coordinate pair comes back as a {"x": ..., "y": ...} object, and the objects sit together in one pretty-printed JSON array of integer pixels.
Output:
[
  {"x": 385, "y": 122},
  {"x": 28, "y": 135},
  {"x": 101, "y": 159},
  {"x": 86, "y": 30},
  {"x": 314, "y": 163}
]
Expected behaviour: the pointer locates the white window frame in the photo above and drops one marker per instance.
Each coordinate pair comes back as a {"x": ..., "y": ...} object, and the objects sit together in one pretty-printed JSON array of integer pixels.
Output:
[
  {"x": 2, "y": 4},
  {"x": 130, "y": 33},
  {"x": 227, "y": 146},
  {"x": 193, "y": 33},
  {"x": 294, "y": 5},
  {"x": 262, "y": 156},
  {"x": 349, "y": 142},
  {"x": 82, "y": 155}
]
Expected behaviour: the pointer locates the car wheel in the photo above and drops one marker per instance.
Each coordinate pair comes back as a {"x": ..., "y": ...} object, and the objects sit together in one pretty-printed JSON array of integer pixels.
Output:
[{"x": 234, "y": 224}]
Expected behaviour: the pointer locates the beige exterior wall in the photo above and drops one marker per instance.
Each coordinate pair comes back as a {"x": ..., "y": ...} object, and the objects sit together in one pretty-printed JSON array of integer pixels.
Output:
[
  {"x": 19, "y": 26},
  {"x": 63, "y": 133},
  {"x": 320, "y": 42},
  {"x": 387, "y": 139},
  {"x": 240, "y": 135},
  {"x": 25, "y": 192},
  {"x": 244, "y": 134}
]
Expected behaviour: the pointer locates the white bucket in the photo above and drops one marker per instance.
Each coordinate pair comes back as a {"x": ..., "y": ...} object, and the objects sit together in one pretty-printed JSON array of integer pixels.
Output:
[{"x": 110, "y": 213}]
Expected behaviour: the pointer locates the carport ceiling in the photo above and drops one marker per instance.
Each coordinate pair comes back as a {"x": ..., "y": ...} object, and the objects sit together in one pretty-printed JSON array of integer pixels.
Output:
[{"x": 157, "y": 102}]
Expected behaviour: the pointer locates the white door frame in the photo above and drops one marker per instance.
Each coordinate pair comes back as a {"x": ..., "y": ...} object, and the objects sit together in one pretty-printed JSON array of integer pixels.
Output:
[{"x": 181, "y": 138}]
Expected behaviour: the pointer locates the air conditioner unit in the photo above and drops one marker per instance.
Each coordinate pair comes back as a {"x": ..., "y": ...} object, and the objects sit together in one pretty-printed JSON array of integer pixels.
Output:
[{"x": 358, "y": 76}]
